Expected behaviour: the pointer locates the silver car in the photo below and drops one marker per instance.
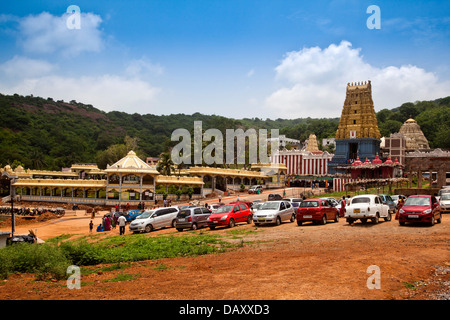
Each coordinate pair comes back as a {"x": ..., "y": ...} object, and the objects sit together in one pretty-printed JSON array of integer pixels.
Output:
[
  {"x": 274, "y": 212},
  {"x": 192, "y": 218},
  {"x": 154, "y": 219}
]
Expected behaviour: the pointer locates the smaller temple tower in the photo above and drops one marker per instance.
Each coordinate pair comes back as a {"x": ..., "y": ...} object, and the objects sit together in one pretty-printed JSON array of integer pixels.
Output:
[{"x": 357, "y": 134}]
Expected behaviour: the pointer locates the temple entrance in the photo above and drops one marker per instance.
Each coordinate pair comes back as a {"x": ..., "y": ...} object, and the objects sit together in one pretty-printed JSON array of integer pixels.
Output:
[{"x": 352, "y": 151}]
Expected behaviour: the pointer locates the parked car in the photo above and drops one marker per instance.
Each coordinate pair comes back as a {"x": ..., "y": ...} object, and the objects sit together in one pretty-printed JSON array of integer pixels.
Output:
[
  {"x": 256, "y": 189},
  {"x": 445, "y": 202},
  {"x": 317, "y": 211},
  {"x": 215, "y": 206},
  {"x": 274, "y": 197},
  {"x": 387, "y": 200},
  {"x": 130, "y": 215},
  {"x": 192, "y": 218},
  {"x": 274, "y": 212},
  {"x": 420, "y": 208},
  {"x": 293, "y": 199},
  {"x": 333, "y": 201},
  {"x": 369, "y": 206},
  {"x": 396, "y": 197},
  {"x": 229, "y": 215},
  {"x": 154, "y": 219}
]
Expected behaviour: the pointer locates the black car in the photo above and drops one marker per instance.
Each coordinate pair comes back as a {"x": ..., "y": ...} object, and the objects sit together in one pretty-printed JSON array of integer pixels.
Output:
[{"x": 274, "y": 196}]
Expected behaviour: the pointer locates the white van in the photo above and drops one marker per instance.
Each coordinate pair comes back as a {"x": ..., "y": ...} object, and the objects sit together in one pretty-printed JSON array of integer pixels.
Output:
[{"x": 154, "y": 219}]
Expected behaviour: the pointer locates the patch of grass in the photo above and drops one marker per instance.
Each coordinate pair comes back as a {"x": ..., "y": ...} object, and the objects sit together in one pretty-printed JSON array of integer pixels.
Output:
[
  {"x": 160, "y": 267},
  {"x": 409, "y": 285},
  {"x": 236, "y": 232},
  {"x": 51, "y": 259},
  {"x": 123, "y": 277},
  {"x": 59, "y": 238}
]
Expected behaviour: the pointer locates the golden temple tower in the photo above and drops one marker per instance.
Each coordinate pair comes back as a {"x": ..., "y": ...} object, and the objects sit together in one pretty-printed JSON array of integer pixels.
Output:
[
  {"x": 357, "y": 135},
  {"x": 312, "y": 143},
  {"x": 358, "y": 118}
]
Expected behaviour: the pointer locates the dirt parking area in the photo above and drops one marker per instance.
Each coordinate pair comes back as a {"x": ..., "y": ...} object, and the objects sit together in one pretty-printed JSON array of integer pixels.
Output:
[{"x": 286, "y": 262}]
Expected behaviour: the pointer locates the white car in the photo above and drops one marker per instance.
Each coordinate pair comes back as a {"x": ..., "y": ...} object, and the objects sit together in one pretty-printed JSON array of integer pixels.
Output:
[
  {"x": 274, "y": 212},
  {"x": 445, "y": 202},
  {"x": 154, "y": 219},
  {"x": 369, "y": 206}
]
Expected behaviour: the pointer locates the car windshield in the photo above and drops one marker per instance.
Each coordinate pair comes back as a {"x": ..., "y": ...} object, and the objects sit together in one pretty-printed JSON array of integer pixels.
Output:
[
  {"x": 223, "y": 209},
  {"x": 309, "y": 204},
  {"x": 445, "y": 196},
  {"x": 361, "y": 200},
  {"x": 417, "y": 201},
  {"x": 146, "y": 214},
  {"x": 270, "y": 206}
]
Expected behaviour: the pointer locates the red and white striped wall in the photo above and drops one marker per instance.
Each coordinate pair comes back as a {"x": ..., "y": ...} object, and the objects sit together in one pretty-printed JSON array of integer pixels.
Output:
[
  {"x": 339, "y": 184},
  {"x": 303, "y": 162}
]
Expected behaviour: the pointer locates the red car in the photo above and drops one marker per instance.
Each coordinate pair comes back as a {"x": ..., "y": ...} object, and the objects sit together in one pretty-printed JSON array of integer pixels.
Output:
[
  {"x": 229, "y": 215},
  {"x": 420, "y": 208},
  {"x": 317, "y": 211}
]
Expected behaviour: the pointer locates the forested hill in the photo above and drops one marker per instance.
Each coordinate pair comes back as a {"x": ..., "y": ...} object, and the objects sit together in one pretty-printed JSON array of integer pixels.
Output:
[{"x": 45, "y": 134}]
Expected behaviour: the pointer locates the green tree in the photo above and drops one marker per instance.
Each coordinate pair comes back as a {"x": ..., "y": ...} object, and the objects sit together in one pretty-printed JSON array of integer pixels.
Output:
[{"x": 165, "y": 165}]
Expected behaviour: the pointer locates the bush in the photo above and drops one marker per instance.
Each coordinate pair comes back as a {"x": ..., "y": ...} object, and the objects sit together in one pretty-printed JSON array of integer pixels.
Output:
[
  {"x": 51, "y": 259},
  {"x": 46, "y": 261}
]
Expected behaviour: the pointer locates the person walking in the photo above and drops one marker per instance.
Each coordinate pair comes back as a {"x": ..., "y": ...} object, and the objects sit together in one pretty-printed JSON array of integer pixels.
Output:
[
  {"x": 342, "y": 209},
  {"x": 122, "y": 223}
]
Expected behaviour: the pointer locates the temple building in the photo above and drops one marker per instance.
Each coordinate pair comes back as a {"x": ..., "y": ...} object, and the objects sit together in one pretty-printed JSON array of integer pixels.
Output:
[
  {"x": 306, "y": 166},
  {"x": 357, "y": 134},
  {"x": 415, "y": 139},
  {"x": 129, "y": 180}
]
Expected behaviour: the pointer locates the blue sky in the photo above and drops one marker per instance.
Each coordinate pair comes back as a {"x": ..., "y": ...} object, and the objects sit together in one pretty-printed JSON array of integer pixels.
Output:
[{"x": 266, "y": 58}]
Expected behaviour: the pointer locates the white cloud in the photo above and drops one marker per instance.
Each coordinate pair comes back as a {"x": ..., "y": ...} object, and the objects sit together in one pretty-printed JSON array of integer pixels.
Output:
[
  {"x": 23, "y": 67},
  {"x": 313, "y": 80},
  {"x": 143, "y": 67},
  {"x": 45, "y": 33}
]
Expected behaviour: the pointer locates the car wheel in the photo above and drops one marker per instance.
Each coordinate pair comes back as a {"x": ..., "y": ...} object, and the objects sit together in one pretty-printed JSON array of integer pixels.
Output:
[
  {"x": 249, "y": 219},
  {"x": 174, "y": 221},
  {"x": 432, "y": 221},
  {"x": 324, "y": 219},
  {"x": 148, "y": 228},
  {"x": 440, "y": 219},
  {"x": 194, "y": 226},
  {"x": 388, "y": 217},
  {"x": 179, "y": 229},
  {"x": 278, "y": 221},
  {"x": 293, "y": 218},
  {"x": 336, "y": 218},
  {"x": 231, "y": 224},
  {"x": 376, "y": 219}
]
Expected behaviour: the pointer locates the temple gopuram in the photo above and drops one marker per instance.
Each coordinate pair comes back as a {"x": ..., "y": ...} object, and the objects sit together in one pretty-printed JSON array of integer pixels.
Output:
[{"x": 357, "y": 134}]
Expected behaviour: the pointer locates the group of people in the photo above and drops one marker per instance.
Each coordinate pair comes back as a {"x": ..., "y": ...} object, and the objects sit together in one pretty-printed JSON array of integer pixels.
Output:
[{"x": 109, "y": 222}]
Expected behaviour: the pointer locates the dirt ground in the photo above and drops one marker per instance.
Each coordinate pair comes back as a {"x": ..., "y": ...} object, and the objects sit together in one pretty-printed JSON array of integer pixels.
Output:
[{"x": 286, "y": 262}]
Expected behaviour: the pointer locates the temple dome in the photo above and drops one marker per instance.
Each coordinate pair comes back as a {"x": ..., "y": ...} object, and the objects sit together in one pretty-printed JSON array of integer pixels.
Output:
[
  {"x": 132, "y": 161},
  {"x": 415, "y": 139}
]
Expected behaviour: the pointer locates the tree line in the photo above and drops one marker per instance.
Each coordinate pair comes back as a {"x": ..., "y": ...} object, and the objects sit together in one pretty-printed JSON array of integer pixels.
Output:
[{"x": 41, "y": 133}]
